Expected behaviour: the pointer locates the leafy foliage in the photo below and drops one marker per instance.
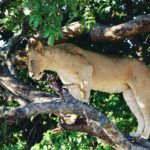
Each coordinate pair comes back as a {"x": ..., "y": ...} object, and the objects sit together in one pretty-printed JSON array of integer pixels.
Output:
[{"x": 49, "y": 16}]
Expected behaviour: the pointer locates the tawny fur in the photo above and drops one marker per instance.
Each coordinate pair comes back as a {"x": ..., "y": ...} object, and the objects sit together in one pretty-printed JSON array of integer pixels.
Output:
[{"x": 83, "y": 70}]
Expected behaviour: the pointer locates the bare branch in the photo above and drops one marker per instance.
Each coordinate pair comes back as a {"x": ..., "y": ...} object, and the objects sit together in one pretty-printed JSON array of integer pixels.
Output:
[
  {"x": 131, "y": 28},
  {"x": 101, "y": 32}
]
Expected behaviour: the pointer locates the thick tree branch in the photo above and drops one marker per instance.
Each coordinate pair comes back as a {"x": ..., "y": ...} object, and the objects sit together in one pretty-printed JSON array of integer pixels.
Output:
[
  {"x": 95, "y": 119},
  {"x": 82, "y": 126},
  {"x": 101, "y": 32},
  {"x": 131, "y": 28},
  {"x": 70, "y": 31},
  {"x": 16, "y": 87},
  {"x": 19, "y": 113}
]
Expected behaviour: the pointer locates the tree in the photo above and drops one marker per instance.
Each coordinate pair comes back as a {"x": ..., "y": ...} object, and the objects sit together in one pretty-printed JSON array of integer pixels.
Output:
[{"x": 122, "y": 24}]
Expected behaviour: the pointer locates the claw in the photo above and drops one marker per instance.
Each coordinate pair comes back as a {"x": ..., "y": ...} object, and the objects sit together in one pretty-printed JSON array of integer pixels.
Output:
[{"x": 144, "y": 136}]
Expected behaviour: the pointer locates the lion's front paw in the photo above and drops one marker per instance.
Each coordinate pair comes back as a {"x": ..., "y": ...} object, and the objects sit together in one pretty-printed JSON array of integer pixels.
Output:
[
  {"x": 69, "y": 118},
  {"x": 145, "y": 135},
  {"x": 139, "y": 135}
]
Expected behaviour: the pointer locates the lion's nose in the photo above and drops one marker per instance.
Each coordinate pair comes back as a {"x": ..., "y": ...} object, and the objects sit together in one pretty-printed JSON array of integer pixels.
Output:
[{"x": 31, "y": 74}]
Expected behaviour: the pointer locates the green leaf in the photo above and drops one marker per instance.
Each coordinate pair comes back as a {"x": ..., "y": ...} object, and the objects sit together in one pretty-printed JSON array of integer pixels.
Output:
[
  {"x": 51, "y": 40},
  {"x": 46, "y": 32},
  {"x": 35, "y": 21}
]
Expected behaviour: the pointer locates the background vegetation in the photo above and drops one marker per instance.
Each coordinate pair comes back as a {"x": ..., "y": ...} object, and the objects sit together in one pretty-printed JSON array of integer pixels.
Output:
[{"x": 48, "y": 17}]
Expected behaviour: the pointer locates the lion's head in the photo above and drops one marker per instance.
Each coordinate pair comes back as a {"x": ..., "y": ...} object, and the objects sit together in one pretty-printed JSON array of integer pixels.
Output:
[{"x": 35, "y": 59}]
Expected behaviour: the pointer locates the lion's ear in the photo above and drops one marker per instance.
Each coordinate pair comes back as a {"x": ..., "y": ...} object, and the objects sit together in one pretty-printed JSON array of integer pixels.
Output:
[{"x": 37, "y": 45}]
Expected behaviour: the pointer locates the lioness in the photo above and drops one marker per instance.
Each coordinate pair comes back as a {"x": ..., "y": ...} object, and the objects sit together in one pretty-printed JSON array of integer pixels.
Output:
[{"x": 83, "y": 70}]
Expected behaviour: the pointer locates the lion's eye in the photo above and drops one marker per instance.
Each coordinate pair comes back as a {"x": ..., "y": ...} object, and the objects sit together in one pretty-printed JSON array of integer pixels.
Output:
[{"x": 32, "y": 63}]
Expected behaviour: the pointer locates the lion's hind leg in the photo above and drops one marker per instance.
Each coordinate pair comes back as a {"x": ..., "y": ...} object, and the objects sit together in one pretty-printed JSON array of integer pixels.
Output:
[
  {"x": 132, "y": 103},
  {"x": 146, "y": 132},
  {"x": 144, "y": 105},
  {"x": 139, "y": 81}
]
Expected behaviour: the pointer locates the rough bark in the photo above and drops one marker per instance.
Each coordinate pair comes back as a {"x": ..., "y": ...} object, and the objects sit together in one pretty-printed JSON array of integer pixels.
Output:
[
  {"x": 101, "y": 32},
  {"x": 16, "y": 87},
  {"x": 70, "y": 31},
  {"x": 93, "y": 123},
  {"x": 83, "y": 127},
  {"x": 131, "y": 28}
]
